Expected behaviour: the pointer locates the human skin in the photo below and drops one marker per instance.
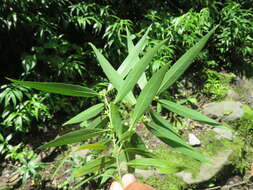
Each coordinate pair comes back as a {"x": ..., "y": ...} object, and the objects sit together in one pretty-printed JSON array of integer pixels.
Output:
[{"x": 129, "y": 183}]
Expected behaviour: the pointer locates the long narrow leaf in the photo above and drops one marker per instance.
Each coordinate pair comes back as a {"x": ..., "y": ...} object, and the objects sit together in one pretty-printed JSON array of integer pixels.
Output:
[
  {"x": 137, "y": 71},
  {"x": 143, "y": 79},
  {"x": 116, "y": 120},
  {"x": 58, "y": 88},
  {"x": 189, "y": 113},
  {"x": 184, "y": 62},
  {"x": 127, "y": 64},
  {"x": 162, "y": 122},
  {"x": 94, "y": 166},
  {"x": 86, "y": 114},
  {"x": 73, "y": 137},
  {"x": 113, "y": 76},
  {"x": 147, "y": 94},
  {"x": 91, "y": 147},
  {"x": 174, "y": 141}
]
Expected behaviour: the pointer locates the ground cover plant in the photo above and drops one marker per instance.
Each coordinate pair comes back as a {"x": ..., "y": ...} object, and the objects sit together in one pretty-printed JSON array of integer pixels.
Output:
[{"x": 113, "y": 130}]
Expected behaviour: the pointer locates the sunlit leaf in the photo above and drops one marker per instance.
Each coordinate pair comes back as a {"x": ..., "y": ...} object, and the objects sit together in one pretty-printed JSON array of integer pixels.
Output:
[
  {"x": 140, "y": 151},
  {"x": 147, "y": 94},
  {"x": 86, "y": 114},
  {"x": 92, "y": 147},
  {"x": 58, "y": 88},
  {"x": 137, "y": 71},
  {"x": 189, "y": 113},
  {"x": 74, "y": 137},
  {"x": 162, "y": 122},
  {"x": 113, "y": 76},
  {"x": 174, "y": 141},
  {"x": 94, "y": 166},
  {"x": 184, "y": 62},
  {"x": 116, "y": 120}
]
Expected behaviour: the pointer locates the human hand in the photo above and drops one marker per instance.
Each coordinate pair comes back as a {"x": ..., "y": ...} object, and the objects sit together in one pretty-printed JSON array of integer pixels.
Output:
[{"x": 129, "y": 183}]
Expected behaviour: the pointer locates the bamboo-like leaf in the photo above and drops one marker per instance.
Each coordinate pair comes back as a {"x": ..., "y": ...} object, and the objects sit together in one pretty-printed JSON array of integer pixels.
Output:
[
  {"x": 73, "y": 137},
  {"x": 147, "y": 94},
  {"x": 58, "y": 88},
  {"x": 113, "y": 76},
  {"x": 143, "y": 79},
  {"x": 184, "y": 62},
  {"x": 137, "y": 71},
  {"x": 162, "y": 165},
  {"x": 140, "y": 151},
  {"x": 92, "y": 147},
  {"x": 98, "y": 122},
  {"x": 189, "y": 113},
  {"x": 86, "y": 114},
  {"x": 116, "y": 120},
  {"x": 162, "y": 122},
  {"x": 94, "y": 166},
  {"x": 174, "y": 141},
  {"x": 128, "y": 63}
]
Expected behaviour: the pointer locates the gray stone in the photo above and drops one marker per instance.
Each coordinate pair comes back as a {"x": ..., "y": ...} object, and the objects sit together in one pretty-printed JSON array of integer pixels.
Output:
[
  {"x": 227, "y": 110},
  {"x": 224, "y": 133},
  {"x": 148, "y": 173},
  {"x": 207, "y": 171},
  {"x": 193, "y": 140}
]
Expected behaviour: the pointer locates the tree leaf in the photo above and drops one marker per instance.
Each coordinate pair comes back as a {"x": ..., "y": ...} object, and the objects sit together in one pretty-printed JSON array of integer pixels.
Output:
[
  {"x": 116, "y": 120},
  {"x": 92, "y": 147},
  {"x": 137, "y": 71},
  {"x": 86, "y": 114},
  {"x": 58, "y": 88},
  {"x": 147, "y": 94},
  {"x": 174, "y": 141},
  {"x": 73, "y": 137},
  {"x": 113, "y": 76},
  {"x": 184, "y": 62},
  {"x": 98, "y": 122},
  {"x": 94, "y": 166},
  {"x": 189, "y": 113}
]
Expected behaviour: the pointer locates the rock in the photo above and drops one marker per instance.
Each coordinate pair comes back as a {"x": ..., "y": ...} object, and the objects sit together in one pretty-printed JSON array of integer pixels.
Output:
[
  {"x": 193, "y": 140},
  {"x": 207, "y": 171},
  {"x": 227, "y": 110},
  {"x": 232, "y": 95},
  {"x": 148, "y": 173},
  {"x": 224, "y": 133}
]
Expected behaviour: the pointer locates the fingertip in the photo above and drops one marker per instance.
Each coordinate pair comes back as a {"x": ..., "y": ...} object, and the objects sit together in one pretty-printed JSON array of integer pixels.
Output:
[
  {"x": 127, "y": 179},
  {"x": 116, "y": 186}
]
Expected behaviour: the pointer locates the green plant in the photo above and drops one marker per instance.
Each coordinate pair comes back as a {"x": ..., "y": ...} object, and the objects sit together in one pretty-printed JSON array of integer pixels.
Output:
[
  {"x": 5, "y": 146},
  {"x": 217, "y": 84},
  {"x": 115, "y": 131}
]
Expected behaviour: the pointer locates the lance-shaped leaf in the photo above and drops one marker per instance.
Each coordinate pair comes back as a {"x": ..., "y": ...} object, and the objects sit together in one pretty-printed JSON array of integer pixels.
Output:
[
  {"x": 94, "y": 166},
  {"x": 86, "y": 114},
  {"x": 184, "y": 62},
  {"x": 113, "y": 76},
  {"x": 140, "y": 151},
  {"x": 130, "y": 45},
  {"x": 74, "y": 137},
  {"x": 98, "y": 122},
  {"x": 116, "y": 120},
  {"x": 58, "y": 88},
  {"x": 128, "y": 63},
  {"x": 162, "y": 122},
  {"x": 91, "y": 147},
  {"x": 147, "y": 94},
  {"x": 163, "y": 165},
  {"x": 137, "y": 71},
  {"x": 189, "y": 113},
  {"x": 174, "y": 141}
]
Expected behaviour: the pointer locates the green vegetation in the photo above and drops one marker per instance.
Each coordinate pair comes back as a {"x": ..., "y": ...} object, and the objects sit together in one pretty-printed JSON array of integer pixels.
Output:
[{"x": 119, "y": 61}]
